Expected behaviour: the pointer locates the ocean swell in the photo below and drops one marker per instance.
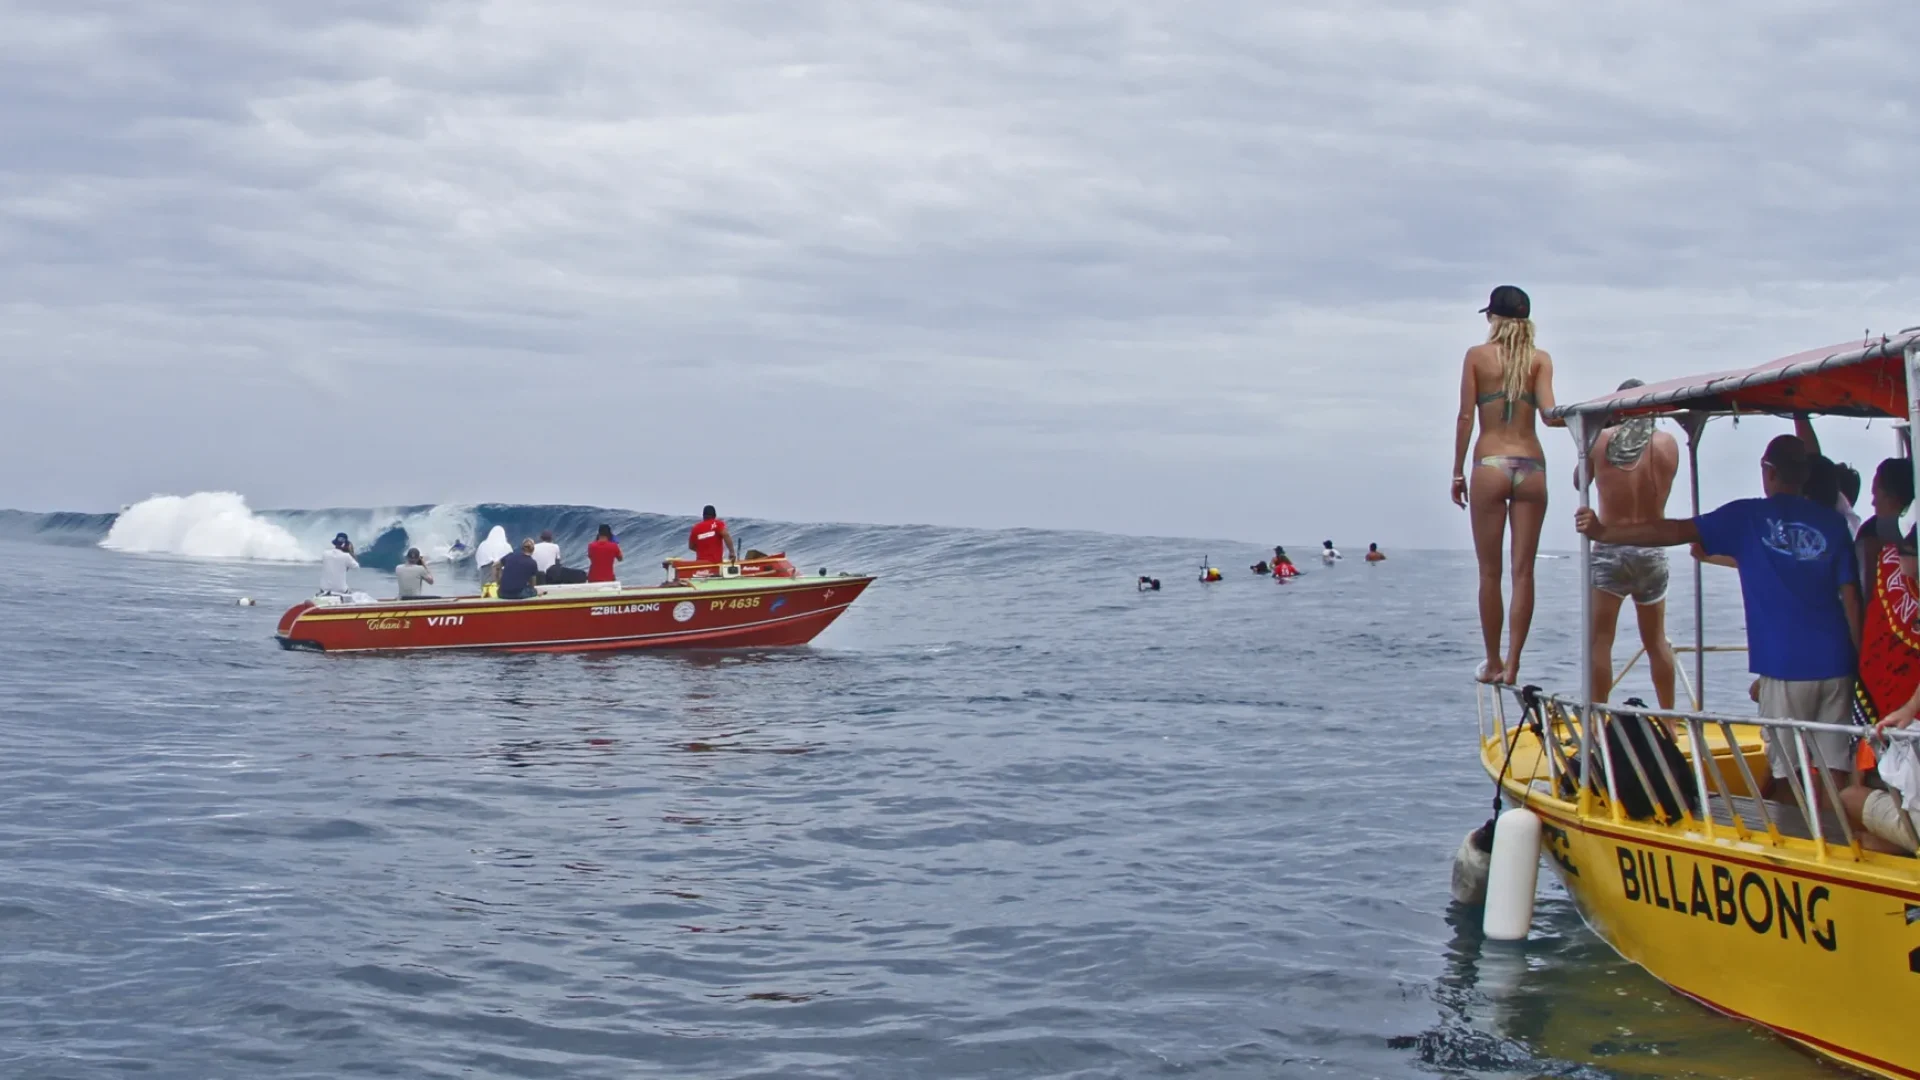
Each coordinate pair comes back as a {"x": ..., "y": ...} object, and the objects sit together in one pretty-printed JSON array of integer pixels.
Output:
[{"x": 221, "y": 525}]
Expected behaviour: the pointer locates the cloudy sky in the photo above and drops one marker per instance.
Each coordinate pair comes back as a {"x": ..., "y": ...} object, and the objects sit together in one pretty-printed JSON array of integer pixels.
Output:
[{"x": 1203, "y": 268}]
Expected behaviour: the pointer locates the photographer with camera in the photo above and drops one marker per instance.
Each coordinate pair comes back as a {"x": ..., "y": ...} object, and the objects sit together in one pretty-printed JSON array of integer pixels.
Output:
[{"x": 334, "y": 564}]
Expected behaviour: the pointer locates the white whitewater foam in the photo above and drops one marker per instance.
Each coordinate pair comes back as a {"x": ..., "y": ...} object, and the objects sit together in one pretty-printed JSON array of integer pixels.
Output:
[{"x": 206, "y": 524}]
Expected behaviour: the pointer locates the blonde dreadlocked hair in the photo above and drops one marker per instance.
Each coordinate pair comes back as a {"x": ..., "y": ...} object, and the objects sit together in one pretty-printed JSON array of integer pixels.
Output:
[{"x": 1514, "y": 337}]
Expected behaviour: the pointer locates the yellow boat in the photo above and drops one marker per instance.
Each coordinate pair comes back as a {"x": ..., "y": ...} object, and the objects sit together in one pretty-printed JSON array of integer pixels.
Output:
[{"x": 1757, "y": 909}]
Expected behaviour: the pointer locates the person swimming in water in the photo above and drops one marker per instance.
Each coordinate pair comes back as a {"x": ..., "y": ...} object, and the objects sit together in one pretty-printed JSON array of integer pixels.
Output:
[
  {"x": 1374, "y": 554},
  {"x": 1504, "y": 384},
  {"x": 1283, "y": 567},
  {"x": 1329, "y": 553}
]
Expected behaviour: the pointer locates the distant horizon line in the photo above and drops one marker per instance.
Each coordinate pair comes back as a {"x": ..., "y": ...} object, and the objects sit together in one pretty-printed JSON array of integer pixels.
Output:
[{"x": 1308, "y": 547}]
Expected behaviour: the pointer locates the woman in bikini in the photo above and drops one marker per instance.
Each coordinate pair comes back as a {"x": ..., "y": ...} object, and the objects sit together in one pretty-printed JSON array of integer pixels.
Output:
[{"x": 1504, "y": 384}]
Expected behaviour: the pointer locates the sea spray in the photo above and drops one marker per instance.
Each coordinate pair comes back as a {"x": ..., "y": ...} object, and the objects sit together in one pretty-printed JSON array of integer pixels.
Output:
[{"x": 207, "y": 524}]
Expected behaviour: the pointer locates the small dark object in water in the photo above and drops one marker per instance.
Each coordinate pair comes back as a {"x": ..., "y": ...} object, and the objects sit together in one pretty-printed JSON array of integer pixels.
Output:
[{"x": 1148, "y": 584}]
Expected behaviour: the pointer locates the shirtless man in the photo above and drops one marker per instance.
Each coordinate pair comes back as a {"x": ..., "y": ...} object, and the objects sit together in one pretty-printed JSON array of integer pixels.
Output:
[{"x": 1633, "y": 467}]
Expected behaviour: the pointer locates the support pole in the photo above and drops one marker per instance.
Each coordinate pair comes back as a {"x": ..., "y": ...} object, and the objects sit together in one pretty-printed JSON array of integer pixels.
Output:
[
  {"x": 1913, "y": 401},
  {"x": 1583, "y": 445},
  {"x": 1695, "y": 425}
]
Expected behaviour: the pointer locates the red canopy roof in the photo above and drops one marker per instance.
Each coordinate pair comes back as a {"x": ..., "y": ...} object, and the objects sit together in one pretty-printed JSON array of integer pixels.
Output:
[{"x": 1863, "y": 378}]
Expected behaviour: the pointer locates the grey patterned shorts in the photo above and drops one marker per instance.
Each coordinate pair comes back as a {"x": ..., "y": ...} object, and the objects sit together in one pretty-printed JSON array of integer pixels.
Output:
[{"x": 1638, "y": 573}]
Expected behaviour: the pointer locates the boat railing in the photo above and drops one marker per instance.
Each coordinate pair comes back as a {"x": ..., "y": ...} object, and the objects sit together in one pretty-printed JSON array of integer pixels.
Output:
[
  {"x": 1686, "y": 680},
  {"x": 1567, "y": 744}
]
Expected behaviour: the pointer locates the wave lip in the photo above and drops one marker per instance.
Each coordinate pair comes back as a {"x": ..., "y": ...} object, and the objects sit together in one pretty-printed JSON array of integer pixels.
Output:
[{"x": 206, "y": 524}]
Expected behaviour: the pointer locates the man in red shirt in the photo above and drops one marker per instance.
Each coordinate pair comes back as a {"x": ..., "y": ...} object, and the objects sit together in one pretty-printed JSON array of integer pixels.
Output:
[
  {"x": 601, "y": 555},
  {"x": 710, "y": 539}
]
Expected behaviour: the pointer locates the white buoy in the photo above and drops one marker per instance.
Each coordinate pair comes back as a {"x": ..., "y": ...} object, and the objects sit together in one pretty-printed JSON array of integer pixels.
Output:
[
  {"x": 246, "y": 601},
  {"x": 1512, "y": 874},
  {"x": 1470, "y": 869}
]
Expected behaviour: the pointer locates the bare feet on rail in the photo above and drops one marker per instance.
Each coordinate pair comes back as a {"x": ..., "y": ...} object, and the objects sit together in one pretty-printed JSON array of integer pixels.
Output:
[{"x": 1489, "y": 672}]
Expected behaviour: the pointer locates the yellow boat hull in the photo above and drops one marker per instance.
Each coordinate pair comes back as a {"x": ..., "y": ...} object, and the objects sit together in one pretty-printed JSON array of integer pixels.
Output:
[{"x": 1825, "y": 953}]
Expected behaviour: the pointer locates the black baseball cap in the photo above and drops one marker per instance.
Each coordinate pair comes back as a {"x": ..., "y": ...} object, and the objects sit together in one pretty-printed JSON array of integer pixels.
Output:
[{"x": 1508, "y": 302}]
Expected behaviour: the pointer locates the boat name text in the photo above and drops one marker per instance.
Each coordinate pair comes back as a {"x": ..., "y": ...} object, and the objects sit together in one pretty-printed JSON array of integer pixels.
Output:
[
  {"x": 623, "y": 609},
  {"x": 737, "y": 602},
  {"x": 445, "y": 620},
  {"x": 1709, "y": 890},
  {"x": 389, "y": 624}
]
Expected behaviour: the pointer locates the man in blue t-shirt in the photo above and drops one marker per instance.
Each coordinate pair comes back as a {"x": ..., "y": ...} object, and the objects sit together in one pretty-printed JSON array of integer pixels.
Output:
[{"x": 1802, "y": 592}]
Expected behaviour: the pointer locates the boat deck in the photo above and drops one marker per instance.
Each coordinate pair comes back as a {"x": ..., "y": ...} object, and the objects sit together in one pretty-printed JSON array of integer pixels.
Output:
[
  {"x": 1786, "y": 817},
  {"x": 611, "y": 590}
]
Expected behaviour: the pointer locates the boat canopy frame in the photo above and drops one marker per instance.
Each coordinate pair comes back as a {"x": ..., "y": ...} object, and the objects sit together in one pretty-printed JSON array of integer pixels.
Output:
[
  {"x": 1863, "y": 379},
  {"x": 1876, "y": 377}
]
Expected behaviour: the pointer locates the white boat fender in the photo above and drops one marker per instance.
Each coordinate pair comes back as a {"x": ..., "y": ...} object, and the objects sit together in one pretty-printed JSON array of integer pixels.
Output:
[
  {"x": 1512, "y": 875},
  {"x": 1470, "y": 866}
]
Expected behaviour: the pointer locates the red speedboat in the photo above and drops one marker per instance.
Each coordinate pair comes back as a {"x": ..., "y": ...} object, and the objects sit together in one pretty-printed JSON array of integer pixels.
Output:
[{"x": 720, "y": 612}]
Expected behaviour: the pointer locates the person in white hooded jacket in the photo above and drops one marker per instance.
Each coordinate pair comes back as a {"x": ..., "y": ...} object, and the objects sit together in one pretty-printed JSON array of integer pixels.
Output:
[{"x": 487, "y": 556}]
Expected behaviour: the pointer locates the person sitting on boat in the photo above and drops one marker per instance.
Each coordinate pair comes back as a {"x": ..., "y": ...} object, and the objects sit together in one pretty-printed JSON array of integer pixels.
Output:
[
  {"x": 546, "y": 552},
  {"x": 1328, "y": 553},
  {"x": 413, "y": 576},
  {"x": 710, "y": 539},
  {"x": 559, "y": 573},
  {"x": 486, "y": 558},
  {"x": 334, "y": 564},
  {"x": 1374, "y": 554},
  {"x": 1802, "y": 598},
  {"x": 1889, "y": 815},
  {"x": 1504, "y": 384},
  {"x": 602, "y": 554},
  {"x": 1633, "y": 465},
  {"x": 516, "y": 573}
]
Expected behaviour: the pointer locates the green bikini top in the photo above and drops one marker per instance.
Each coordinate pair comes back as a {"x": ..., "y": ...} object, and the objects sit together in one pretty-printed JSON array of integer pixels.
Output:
[{"x": 1506, "y": 411}]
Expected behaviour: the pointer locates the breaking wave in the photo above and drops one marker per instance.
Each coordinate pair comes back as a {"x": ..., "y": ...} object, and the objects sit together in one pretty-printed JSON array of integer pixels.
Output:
[{"x": 221, "y": 525}]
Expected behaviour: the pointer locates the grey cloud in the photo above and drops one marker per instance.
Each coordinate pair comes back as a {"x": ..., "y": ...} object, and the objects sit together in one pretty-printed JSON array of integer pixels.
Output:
[{"x": 1128, "y": 240}]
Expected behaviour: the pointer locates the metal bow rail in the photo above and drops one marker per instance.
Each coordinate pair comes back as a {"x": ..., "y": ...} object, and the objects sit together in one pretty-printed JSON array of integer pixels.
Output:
[{"x": 1568, "y": 753}]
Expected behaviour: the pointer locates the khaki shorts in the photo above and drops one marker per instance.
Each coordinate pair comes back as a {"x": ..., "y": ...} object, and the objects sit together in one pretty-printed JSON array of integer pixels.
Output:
[
  {"x": 1819, "y": 701},
  {"x": 1885, "y": 818}
]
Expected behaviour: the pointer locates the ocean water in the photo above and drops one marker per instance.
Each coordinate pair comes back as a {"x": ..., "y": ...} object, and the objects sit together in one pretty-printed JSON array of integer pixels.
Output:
[{"x": 1007, "y": 818}]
